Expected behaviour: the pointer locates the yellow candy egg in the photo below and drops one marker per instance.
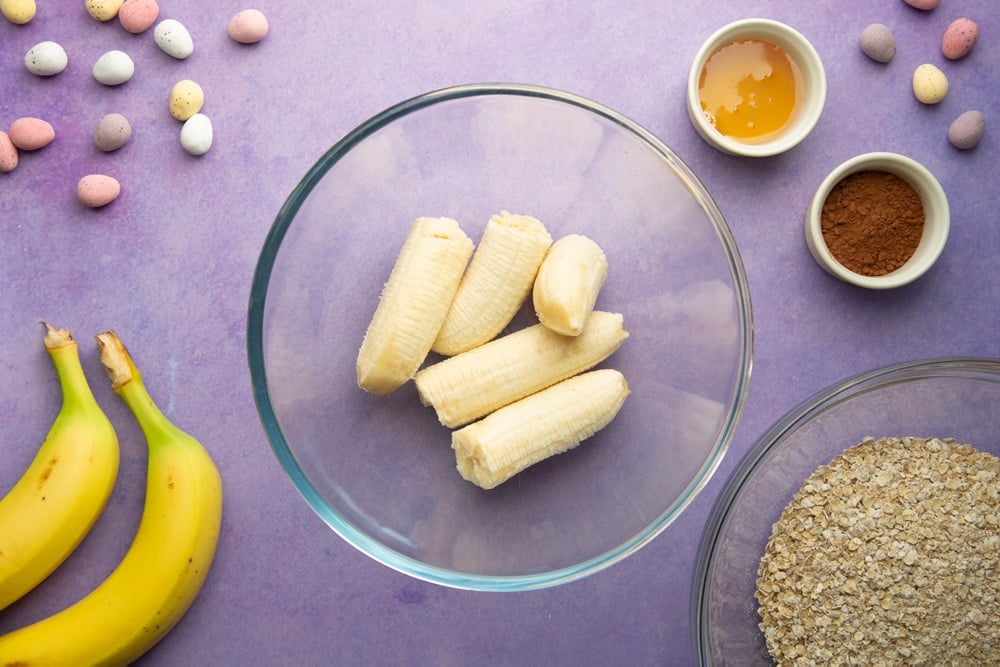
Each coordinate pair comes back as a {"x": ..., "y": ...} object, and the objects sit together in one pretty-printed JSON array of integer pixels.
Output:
[
  {"x": 104, "y": 10},
  {"x": 18, "y": 11},
  {"x": 930, "y": 85},
  {"x": 186, "y": 99}
]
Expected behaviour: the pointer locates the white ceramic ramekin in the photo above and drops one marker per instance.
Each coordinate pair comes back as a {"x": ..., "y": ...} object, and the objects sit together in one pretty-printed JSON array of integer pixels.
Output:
[
  {"x": 813, "y": 79},
  {"x": 937, "y": 219}
]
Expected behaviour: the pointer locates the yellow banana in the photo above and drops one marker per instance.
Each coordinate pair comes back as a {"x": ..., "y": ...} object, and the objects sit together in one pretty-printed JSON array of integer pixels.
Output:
[
  {"x": 568, "y": 283},
  {"x": 413, "y": 304},
  {"x": 472, "y": 384},
  {"x": 552, "y": 421},
  {"x": 166, "y": 565},
  {"x": 497, "y": 282},
  {"x": 49, "y": 511}
]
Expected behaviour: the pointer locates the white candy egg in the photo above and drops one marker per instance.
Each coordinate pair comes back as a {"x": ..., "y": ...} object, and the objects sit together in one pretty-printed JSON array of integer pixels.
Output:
[
  {"x": 196, "y": 134},
  {"x": 46, "y": 59},
  {"x": 173, "y": 38},
  {"x": 114, "y": 68}
]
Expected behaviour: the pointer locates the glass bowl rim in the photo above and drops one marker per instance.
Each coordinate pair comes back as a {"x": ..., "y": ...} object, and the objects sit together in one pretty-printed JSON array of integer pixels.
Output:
[
  {"x": 818, "y": 402},
  {"x": 344, "y": 528}
]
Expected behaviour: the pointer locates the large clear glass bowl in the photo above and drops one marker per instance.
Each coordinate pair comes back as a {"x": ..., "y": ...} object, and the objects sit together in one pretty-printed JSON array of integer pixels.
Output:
[
  {"x": 949, "y": 397},
  {"x": 380, "y": 469}
]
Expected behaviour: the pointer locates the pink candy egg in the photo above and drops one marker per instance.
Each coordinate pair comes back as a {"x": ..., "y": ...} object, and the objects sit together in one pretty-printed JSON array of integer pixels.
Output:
[
  {"x": 30, "y": 134},
  {"x": 248, "y": 26},
  {"x": 96, "y": 190},
  {"x": 925, "y": 5},
  {"x": 8, "y": 153},
  {"x": 138, "y": 15},
  {"x": 959, "y": 38}
]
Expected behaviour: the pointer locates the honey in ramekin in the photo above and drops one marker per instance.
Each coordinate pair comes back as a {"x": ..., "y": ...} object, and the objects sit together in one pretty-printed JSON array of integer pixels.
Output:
[{"x": 750, "y": 89}]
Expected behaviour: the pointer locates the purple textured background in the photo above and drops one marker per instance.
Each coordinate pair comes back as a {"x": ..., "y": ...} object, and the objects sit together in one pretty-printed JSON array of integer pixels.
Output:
[{"x": 168, "y": 265}]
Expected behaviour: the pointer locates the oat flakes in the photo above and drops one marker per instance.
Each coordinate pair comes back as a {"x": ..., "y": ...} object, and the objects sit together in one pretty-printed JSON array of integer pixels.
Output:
[{"x": 887, "y": 555}]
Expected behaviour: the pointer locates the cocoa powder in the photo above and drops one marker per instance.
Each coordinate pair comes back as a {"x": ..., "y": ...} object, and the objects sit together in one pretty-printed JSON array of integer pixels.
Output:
[{"x": 872, "y": 222}]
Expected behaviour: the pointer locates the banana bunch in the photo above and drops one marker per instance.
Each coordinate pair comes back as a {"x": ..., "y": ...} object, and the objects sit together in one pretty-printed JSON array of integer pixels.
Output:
[
  {"x": 165, "y": 566},
  {"x": 515, "y": 399}
]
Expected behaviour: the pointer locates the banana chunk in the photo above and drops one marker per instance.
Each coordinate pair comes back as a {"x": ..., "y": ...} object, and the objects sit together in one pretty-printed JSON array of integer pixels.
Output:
[
  {"x": 470, "y": 385},
  {"x": 568, "y": 282},
  {"x": 496, "y": 284},
  {"x": 552, "y": 421},
  {"x": 413, "y": 304}
]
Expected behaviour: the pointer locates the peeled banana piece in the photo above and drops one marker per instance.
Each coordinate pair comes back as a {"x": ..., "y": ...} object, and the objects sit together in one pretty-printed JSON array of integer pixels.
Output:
[
  {"x": 165, "y": 566},
  {"x": 568, "y": 282},
  {"x": 472, "y": 384},
  {"x": 496, "y": 284},
  {"x": 552, "y": 421},
  {"x": 413, "y": 304},
  {"x": 48, "y": 512}
]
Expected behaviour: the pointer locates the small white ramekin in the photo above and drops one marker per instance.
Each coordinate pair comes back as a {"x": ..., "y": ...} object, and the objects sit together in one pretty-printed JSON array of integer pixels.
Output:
[
  {"x": 813, "y": 78},
  {"x": 937, "y": 219}
]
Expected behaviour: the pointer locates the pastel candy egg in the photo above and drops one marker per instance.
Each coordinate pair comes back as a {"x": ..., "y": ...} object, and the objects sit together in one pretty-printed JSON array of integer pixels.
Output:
[
  {"x": 114, "y": 68},
  {"x": 18, "y": 11},
  {"x": 925, "y": 5},
  {"x": 173, "y": 38},
  {"x": 248, "y": 26},
  {"x": 959, "y": 38},
  {"x": 966, "y": 131},
  {"x": 878, "y": 42},
  {"x": 30, "y": 134},
  {"x": 138, "y": 15},
  {"x": 930, "y": 85},
  {"x": 186, "y": 99},
  {"x": 46, "y": 59},
  {"x": 197, "y": 134},
  {"x": 8, "y": 153},
  {"x": 112, "y": 132},
  {"x": 96, "y": 190},
  {"x": 103, "y": 10}
]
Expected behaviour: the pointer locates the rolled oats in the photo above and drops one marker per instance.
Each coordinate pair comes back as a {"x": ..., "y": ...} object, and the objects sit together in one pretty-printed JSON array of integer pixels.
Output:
[{"x": 887, "y": 555}]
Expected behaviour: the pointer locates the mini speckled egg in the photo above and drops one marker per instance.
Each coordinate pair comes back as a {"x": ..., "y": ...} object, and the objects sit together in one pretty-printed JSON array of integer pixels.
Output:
[
  {"x": 197, "y": 134},
  {"x": 967, "y": 130},
  {"x": 103, "y": 10},
  {"x": 46, "y": 59},
  {"x": 959, "y": 38},
  {"x": 930, "y": 85},
  {"x": 96, "y": 190},
  {"x": 138, "y": 15},
  {"x": 878, "y": 42},
  {"x": 248, "y": 26},
  {"x": 186, "y": 99},
  {"x": 18, "y": 11},
  {"x": 30, "y": 134},
  {"x": 8, "y": 153},
  {"x": 114, "y": 68},
  {"x": 112, "y": 132},
  {"x": 925, "y": 5},
  {"x": 173, "y": 38}
]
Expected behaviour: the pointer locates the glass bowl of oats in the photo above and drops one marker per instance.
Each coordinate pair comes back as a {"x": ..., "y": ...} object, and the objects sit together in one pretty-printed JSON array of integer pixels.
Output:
[{"x": 862, "y": 528}]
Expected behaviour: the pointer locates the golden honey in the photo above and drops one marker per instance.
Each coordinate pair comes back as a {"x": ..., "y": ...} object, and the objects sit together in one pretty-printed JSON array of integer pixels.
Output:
[{"x": 749, "y": 90}]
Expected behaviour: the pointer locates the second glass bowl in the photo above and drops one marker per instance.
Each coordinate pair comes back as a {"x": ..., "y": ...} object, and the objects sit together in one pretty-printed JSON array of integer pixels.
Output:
[{"x": 952, "y": 397}]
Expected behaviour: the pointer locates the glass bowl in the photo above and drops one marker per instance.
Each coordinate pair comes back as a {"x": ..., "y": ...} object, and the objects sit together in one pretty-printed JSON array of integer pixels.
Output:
[
  {"x": 379, "y": 470},
  {"x": 949, "y": 397}
]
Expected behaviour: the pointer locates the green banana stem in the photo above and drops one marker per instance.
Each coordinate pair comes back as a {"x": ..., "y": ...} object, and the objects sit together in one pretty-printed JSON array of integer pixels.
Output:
[
  {"x": 126, "y": 381},
  {"x": 76, "y": 393}
]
